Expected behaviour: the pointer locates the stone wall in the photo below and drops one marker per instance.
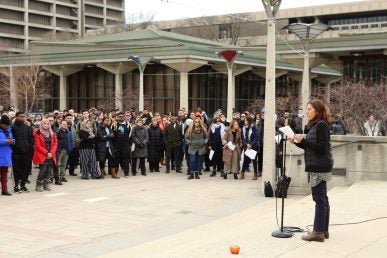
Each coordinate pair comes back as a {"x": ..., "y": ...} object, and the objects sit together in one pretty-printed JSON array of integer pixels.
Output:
[{"x": 356, "y": 158}]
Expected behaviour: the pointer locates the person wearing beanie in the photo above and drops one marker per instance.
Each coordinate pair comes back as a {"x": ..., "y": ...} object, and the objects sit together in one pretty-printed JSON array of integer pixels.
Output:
[
  {"x": 6, "y": 141},
  {"x": 22, "y": 149}
]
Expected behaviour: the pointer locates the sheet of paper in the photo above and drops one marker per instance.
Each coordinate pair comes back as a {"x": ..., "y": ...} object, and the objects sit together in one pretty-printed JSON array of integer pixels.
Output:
[
  {"x": 250, "y": 153},
  {"x": 287, "y": 131},
  {"x": 211, "y": 155},
  {"x": 231, "y": 146},
  {"x": 278, "y": 139}
]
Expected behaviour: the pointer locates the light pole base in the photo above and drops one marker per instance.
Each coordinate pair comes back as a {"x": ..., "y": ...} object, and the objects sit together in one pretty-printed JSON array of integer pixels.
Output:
[{"x": 281, "y": 234}]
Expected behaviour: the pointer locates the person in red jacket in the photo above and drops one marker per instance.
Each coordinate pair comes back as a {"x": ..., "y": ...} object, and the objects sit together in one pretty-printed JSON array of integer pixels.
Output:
[{"x": 45, "y": 154}]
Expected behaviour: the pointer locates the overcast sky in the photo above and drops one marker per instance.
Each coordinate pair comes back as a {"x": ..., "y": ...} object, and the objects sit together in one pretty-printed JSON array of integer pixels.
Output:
[{"x": 175, "y": 9}]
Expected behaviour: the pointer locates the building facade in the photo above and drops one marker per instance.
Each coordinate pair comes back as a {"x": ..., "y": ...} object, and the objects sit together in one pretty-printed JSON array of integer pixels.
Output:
[{"x": 22, "y": 21}]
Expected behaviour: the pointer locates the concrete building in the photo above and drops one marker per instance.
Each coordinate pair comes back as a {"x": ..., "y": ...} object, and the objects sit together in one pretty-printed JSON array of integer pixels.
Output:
[
  {"x": 22, "y": 21},
  {"x": 185, "y": 72}
]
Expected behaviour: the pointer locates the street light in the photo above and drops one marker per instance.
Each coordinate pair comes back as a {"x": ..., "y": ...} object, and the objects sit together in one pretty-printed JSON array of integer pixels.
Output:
[
  {"x": 229, "y": 56},
  {"x": 141, "y": 63},
  {"x": 306, "y": 33}
]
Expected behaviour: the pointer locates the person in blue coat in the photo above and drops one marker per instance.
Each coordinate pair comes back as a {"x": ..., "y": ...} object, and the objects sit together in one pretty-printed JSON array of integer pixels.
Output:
[{"x": 6, "y": 141}]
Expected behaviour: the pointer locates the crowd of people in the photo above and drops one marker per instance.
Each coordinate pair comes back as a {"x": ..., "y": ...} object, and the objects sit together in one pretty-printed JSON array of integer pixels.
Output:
[{"x": 104, "y": 143}]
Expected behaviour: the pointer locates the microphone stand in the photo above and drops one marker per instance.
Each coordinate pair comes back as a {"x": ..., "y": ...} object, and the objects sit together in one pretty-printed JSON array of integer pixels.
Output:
[{"x": 281, "y": 233}]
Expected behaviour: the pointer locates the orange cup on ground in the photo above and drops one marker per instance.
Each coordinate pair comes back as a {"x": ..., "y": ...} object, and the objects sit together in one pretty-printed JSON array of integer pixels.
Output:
[{"x": 234, "y": 249}]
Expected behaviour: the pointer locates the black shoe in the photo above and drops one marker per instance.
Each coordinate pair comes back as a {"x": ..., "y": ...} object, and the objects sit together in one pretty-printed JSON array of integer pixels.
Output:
[
  {"x": 179, "y": 171},
  {"x": 6, "y": 193},
  {"x": 24, "y": 189},
  {"x": 197, "y": 175},
  {"x": 213, "y": 174},
  {"x": 58, "y": 182},
  {"x": 191, "y": 176},
  {"x": 134, "y": 174},
  {"x": 236, "y": 176},
  {"x": 207, "y": 169},
  {"x": 224, "y": 175},
  {"x": 63, "y": 180},
  {"x": 73, "y": 174},
  {"x": 144, "y": 174},
  {"x": 17, "y": 190},
  {"x": 157, "y": 170},
  {"x": 200, "y": 173},
  {"x": 28, "y": 181}
]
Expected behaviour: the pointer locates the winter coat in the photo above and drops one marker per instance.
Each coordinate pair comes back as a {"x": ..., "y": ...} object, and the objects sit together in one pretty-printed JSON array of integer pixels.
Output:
[
  {"x": 251, "y": 137},
  {"x": 86, "y": 142},
  {"x": 65, "y": 140},
  {"x": 197, "y": 143},
  {"x": 140, "y": 139},
  {"x": 215, "y": 135},
  {"x": 229, "y": 137},
  {"x": 122, "y": 134},
  {"x": 5, "y": 149},
  {"x": 102, "y": 138},
  {"x": 155, "y": 144},
  {"x": 173, "y": 136},
  {"x": 24, "y": 139},
  {"x": 40, "y": 153},
  {"x": 317, "y": 146}
]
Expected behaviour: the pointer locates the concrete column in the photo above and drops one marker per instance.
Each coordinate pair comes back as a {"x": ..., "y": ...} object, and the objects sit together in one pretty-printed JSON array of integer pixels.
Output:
[
  {"x": 184, "y": 90},
  {"x": 305, "y": 86},
  {"x": 12, "y": 89},
  {"x": 118, "y": 91},
  {"x": 141, "y": 92},
  {"x": 63, "y": 92},
  {"x": 269, "y": 127},
  {"x": 230, "y": 92}
]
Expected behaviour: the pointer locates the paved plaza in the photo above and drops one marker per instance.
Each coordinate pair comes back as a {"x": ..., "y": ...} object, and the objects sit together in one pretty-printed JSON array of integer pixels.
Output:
[{"x": 166, "y": 215}]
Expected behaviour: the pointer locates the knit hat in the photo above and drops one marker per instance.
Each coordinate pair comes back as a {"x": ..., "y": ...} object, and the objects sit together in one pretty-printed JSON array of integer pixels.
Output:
[{"x": 5, "y": 120}]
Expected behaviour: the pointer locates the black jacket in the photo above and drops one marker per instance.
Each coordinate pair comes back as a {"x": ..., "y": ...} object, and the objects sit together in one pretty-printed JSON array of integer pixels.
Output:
[
  {"x": 318, "y": 156},
  {"x": 24, "y": 139}
]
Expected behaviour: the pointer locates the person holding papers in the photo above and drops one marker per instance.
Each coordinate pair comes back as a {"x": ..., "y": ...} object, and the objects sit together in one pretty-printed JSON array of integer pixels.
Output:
[
  {"x": 318, "y": 162},
  {"x": 232, "y": 142},
  {"x": 250, "y": 140}
]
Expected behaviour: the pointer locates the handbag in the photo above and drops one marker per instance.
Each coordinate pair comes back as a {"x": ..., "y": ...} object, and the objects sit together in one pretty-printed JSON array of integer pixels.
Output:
[
  {"x": 268, "y": 189},
  {"x": 282, "y": 186}
]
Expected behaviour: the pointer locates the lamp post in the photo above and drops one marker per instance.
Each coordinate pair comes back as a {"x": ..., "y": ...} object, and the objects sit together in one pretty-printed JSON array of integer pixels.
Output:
[
  {"x": 271, "y": 9},
  {"x": 229, "y": 56},
  {"x": 306, "y": 33},
  {"x": 141, "y": 63}
]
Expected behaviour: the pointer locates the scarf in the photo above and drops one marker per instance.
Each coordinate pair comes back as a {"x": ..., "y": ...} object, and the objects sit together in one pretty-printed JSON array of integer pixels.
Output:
[
  {"x": 46, "y": 132},
  {"x": 216, "y": 126}
]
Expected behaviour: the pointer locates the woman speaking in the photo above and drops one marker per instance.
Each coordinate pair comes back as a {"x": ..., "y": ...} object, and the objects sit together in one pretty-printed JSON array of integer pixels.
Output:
[{"x": 318, "y": 162}]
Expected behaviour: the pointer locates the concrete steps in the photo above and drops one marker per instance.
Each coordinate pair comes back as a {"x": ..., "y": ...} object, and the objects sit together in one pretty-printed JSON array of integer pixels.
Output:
[{"x": 251, "y": 229}]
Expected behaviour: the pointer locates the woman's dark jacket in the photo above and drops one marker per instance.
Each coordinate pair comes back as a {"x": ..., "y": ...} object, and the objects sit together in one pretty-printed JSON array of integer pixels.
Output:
[
  {"x": 155, "y": 144},
  {"x": 318, "y": 156},
  {"x": 24, "y": 139},
  {"x": 86, "y": 142},
  {"x": 102, "y": 138},
  {"x": 140, "y": 139}
]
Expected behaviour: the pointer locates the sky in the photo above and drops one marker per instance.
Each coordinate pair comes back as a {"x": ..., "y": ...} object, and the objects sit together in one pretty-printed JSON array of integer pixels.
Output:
[{"x": 176, "y": 9}]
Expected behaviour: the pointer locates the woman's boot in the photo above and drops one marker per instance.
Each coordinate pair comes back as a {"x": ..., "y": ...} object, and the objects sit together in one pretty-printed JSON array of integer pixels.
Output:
[
  {"x": 58, "y": 181},
  {"x": 255, "y": 176},
  {"x": 114, "y": 175},
  {"x": 191, "y": 176},
  {"x": 46, "y": 186},
  {"x": 39, "y": 186},
  {"x": 242, "y": 175},
  {"x": 197, "y": 175},
  {"x": 235, "y": 176}
]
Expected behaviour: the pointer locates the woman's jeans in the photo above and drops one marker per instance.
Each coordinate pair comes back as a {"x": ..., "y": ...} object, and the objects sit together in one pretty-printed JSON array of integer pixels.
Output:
[
  {"x": 195, "y": 163},
  {"x": 322, "y": 210}
]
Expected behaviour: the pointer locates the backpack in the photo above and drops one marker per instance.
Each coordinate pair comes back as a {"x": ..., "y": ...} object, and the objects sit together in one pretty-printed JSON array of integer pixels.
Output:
[{"x": 282, "y": 182}]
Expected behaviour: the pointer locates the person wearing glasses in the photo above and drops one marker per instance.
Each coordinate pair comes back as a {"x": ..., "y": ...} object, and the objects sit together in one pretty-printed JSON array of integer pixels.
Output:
[
  {"x": 6, "y": 141},
  {"x": 121, "y": 144}
]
